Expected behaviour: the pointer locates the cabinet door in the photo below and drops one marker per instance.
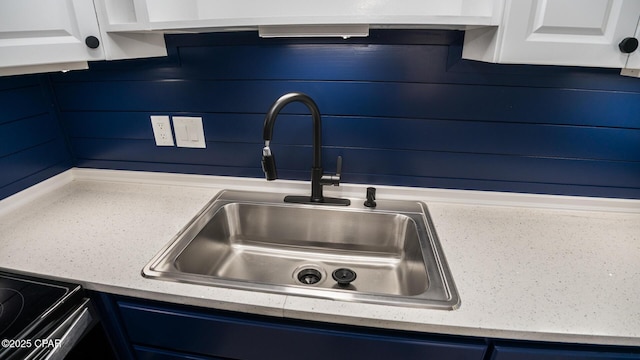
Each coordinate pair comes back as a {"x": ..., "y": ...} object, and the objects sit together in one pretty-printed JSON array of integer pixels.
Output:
[
  {"x": 568, "y": 32},
  {"x": 209, "y": 333},
  {"x": 145, "y": 353},
  {"x": 44, "y": 32},
  {"x": 634, "y": 57},
  {"x": 506, "y": 352}
]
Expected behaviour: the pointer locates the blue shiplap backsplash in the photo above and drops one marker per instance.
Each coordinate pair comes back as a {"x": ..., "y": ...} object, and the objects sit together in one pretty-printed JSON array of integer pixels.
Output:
[
  {"x": 401, "y": 107},
  {"x": 32, "y": 145}
]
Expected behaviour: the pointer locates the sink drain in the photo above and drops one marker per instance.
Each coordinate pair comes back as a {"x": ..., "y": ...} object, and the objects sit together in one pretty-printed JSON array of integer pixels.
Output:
[
  {"x": 309, "y": 276},
  {"x": 344, "y": 276}
]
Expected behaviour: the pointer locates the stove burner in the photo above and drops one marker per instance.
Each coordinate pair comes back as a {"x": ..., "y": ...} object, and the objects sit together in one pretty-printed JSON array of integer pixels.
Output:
[
  {"x": 13, "y": 301},
  {"x": 25, "y": 303}
]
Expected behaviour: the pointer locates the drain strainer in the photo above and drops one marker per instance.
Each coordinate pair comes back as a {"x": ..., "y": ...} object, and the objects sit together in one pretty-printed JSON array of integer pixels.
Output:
[{"x": 308, "y": 274}]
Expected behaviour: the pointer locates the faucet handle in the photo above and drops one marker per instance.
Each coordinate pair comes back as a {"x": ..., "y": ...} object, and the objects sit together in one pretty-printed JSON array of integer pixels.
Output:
[
  {"x": 339, "y": 167},
  {"x": 269, "y": 164},
  {"x": 333, "y": 179}
]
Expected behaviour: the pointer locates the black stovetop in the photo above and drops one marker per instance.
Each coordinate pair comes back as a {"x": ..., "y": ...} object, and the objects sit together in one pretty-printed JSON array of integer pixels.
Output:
[{"x": 27, "y": 304}]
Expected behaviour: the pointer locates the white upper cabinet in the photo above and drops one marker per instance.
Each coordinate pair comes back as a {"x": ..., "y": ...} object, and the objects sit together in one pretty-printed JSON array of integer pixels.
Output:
[
  {"x": 559, "y": 32},
  {"x": 59, "y": 35},
  {"x": 207, "y": 15},
  {"x": 54, "y": 35},
  {"x": 634, "y": 57},
  {"x": 46, "y": 35}
]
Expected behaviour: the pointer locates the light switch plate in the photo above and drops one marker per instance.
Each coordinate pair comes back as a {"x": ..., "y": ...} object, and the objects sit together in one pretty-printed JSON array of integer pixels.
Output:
[
  {"x": 189, "y": 131},
  {"x": 162, "y": 130}
]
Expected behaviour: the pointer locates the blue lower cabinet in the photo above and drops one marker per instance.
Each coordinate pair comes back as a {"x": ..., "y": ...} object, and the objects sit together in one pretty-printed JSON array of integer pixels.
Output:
[
  {"x": 145, "y": 353},
  {"x": 161, "y": 332},
  {"x": 151, "y": 330},
  {"x": 559, "y": 352}
]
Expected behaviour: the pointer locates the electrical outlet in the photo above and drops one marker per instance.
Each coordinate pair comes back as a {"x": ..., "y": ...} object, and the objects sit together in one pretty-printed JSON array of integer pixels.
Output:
[{"x": 162, "y": 130}]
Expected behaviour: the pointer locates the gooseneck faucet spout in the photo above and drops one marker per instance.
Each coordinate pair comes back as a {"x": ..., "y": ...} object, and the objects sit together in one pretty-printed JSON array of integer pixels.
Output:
[{"x": 318, "y": 179}]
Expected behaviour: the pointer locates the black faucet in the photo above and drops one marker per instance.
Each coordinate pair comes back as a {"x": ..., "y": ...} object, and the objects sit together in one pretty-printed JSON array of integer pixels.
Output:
[{"x": 318, "y": 179}]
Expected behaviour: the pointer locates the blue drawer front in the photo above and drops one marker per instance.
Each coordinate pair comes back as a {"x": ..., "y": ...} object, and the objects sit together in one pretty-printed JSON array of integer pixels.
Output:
[
  {"x": 145, "y": 353},
  {"x": 223, "y": 336},
  {"x": 523, "y": 353}
]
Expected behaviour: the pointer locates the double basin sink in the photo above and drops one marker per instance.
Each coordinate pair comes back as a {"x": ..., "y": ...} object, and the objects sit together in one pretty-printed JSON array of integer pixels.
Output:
[{"x": 254, "y": 241}]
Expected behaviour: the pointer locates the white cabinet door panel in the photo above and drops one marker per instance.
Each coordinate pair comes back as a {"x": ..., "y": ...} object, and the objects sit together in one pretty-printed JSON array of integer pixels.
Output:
[
  {"x": 568, "y": 32},
  {"x": 634, "y": 57},
  {"x": 41, "y": 32}
]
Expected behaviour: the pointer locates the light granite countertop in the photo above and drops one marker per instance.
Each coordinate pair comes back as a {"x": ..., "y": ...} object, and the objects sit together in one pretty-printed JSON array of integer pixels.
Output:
[{"x": 534, "y": 267}]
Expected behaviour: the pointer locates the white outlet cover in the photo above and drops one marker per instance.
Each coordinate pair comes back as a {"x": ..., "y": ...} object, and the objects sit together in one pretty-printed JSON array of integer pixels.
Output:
[
  {"x": 189, "y": 131},
  {"x": 162, "y": 130}
]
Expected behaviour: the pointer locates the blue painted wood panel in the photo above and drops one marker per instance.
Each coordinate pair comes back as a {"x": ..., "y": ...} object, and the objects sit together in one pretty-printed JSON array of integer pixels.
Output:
[
  {"x": 402, "y": 100},
  {"x": 542, "y": 140},
  {"x": 146, "y": 353},
  {"x": 31, "y": 166},
  {"x": 16, "y": 82},
  {"x": 402, "y": 108},
  {"x": 374, "y": 161},
  {"x": 32, "y": 144},
  {"x": 21, "y": 102},
  {"x": 539, "y": 352},
  {"x": 225, "y": 335},
  {"x": 20, "y": 135}
]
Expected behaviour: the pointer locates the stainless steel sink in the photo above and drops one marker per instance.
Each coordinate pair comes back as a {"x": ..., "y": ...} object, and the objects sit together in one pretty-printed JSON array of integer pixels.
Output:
[{"x": 255, "y": 241}]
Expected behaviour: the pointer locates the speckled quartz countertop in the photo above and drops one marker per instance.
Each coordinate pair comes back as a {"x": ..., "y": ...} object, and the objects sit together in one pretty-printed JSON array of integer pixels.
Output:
[{"x": 526, "y": 266}]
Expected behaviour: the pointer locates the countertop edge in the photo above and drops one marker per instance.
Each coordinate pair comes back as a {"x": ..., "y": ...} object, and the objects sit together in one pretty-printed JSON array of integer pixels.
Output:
[{"x": 478, "y": 332}]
